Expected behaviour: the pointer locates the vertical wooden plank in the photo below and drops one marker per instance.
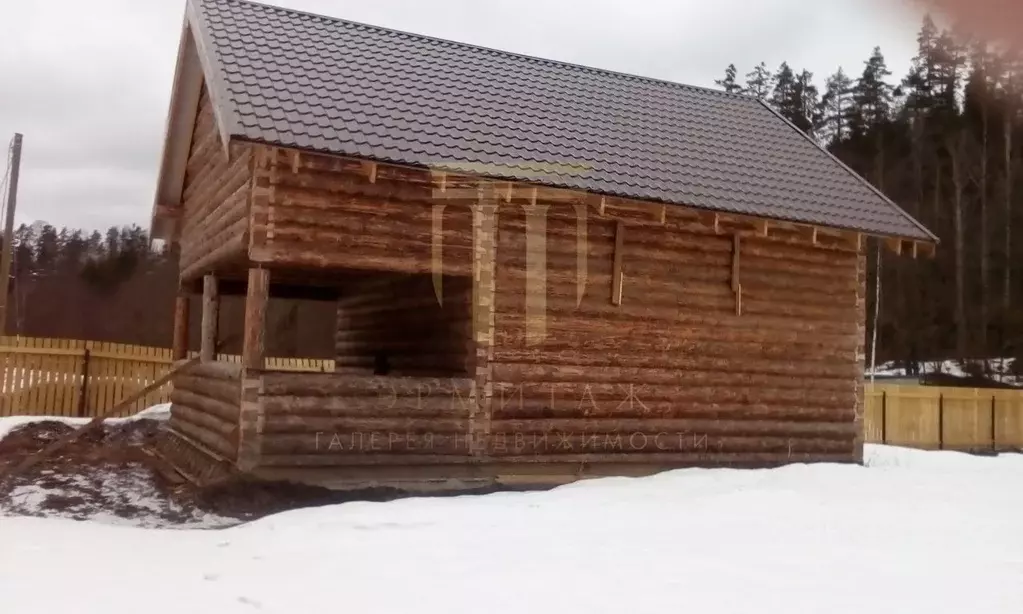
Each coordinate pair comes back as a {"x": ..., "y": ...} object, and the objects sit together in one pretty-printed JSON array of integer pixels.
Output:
[
  {"x": 47, "y": 380},
  {"x": 254, "y": 341},
  {"x": 179, "y": 348},
  {"x": 210, "y": 311},
  {"x": 83, "y": 398},
  {"x": 119, "y": 374},
  {"x": 617, "y": 279}
]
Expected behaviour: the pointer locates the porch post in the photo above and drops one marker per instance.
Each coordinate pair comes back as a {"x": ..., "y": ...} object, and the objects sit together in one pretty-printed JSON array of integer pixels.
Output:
[
  {"x": 254, "y": 344},
  {"x": 179, "y": 346},
  {"x": 210, "y": 312}
]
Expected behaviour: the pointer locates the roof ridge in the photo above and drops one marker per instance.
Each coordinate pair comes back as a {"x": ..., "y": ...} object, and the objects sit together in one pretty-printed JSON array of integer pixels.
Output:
[{"x": 531, "y": 58}]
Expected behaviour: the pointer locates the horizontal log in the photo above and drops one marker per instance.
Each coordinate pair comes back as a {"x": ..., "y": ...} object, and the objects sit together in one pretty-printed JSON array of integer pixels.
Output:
[
  {"x": 330, "y": 255},
  {"x": 225, "y": 391},
  {"x": 381, "y": 406},
  {"x": 214, "y": 441},
  {"x": 571, "y": 465},
  {"x": 644, "y": 334},
  {"x": 672, "y": 314},
  {"x": 796, "y": 366},
  {"x": 526, "y": 444},
  {"x": 366, "y": 442},
  {"x": 565, "y": 282},
  {"x": 294, "y": 424},
  {"x": 611, "y": 347},
  {"x": 659, "y": 442},
  {"x": 364, "y": 460},
  {"x": 842, "y": 431},
  {"x": 231, "y": 248},
  {"x": 203, "y": 419},
  {"x": 585, "y": 397},
  {"x": 513, "y": 408},
  {"x": 224, "y": 371},
  {"x": 329, "y": 384},
  {"x": 727, "y": 375},
  {"x": 226, "y": 413}
]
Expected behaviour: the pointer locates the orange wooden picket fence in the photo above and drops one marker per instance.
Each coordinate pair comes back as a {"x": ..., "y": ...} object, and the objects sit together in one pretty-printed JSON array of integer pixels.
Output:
[
  {"x": 939, "y": 417},
  {"x": 69, "y": 377}
]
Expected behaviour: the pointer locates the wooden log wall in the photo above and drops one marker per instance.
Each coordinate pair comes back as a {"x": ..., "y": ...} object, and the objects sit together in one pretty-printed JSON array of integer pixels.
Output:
[
  {"x": 215, "y": 199},
  {"x": 319, "y": 212},
  {"x": 397, "y": 325},
  {"x": 335, "y": 419},
  {"x": 673, "y": 375},
  {"x": 205, "y": 405}
]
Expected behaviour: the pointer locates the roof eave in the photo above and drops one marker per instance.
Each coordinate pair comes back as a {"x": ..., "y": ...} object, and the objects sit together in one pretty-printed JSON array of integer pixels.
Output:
[
  {"x": 194, "y": 67},
  {"x": 928, "y": 237}
]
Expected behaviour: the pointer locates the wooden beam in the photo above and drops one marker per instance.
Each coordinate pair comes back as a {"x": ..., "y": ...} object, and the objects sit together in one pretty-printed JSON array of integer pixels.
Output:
[
  {"x": 617, "y": 279},
  {"x": 763, "y": 227},
  {"x": 894, "y": 244},
  {"x": 928, "y": 250},
  {"x": 210, "y": 314},
  {"x": 254, "y": 340},
  {"x": 736, "y": 283},
  {"x": 296, "y": 162},
  {"x": 179, "y": 349},
  {"x": 168, "y": 212},
  {"x": 371, "y": 170},
  {"x": 712, "y": 219},
  {"x": 664, "y": 214},
  {"x": 288, "y": 291}
]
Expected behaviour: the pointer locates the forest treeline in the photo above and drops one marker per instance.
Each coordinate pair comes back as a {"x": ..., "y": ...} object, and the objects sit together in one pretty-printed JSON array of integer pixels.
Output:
[
  {"x": 942, "y": 141},
  {"x": 115, "y": 286}
]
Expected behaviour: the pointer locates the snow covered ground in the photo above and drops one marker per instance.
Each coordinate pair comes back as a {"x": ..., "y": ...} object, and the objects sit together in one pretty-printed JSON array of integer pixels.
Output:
[
  {"x": 998, "y": 369},
  {"x": 927, "y": 532}
]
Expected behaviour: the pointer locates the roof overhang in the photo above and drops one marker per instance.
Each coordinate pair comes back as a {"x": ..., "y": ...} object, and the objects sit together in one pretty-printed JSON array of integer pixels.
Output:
[{"x": 193, "y": 69}]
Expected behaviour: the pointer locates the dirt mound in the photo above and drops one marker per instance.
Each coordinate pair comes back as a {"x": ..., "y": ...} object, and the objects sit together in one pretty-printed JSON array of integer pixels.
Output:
[
  {"x": 105, "y": 474},
  {"x": 109, "y": 474}
]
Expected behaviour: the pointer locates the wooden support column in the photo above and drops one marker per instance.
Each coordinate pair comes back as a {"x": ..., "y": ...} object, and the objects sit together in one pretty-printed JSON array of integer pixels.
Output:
[
  {"x": 210, "y": 317},
  {"x": 736, "y": 283},
  {"x": 254, "y": 340},
  {"x": 617, "y": 277},
  {"x": 179, "y": 347},
  {"x": 484, "y": 262}
]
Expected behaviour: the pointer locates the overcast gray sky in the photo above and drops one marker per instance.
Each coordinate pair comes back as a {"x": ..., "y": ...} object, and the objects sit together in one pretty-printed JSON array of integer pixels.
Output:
[{"x": 88, "y": 82}]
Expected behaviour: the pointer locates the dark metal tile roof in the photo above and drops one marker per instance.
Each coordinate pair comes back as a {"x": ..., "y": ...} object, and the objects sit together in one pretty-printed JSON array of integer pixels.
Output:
[{"x": 324, "y": 84}]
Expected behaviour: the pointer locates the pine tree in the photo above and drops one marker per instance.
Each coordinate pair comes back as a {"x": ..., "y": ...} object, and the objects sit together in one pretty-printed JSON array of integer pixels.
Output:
[
  {"x": 729, "y": 84},
  {"x": 782, "y": 94},
  {"x": 807, "y": 97},
  {"x": 872, "y": 96},
  {"x": 759, "y": 82},
  {"x": 834, "y": 108},
  {"x": 922, "y": 81}
]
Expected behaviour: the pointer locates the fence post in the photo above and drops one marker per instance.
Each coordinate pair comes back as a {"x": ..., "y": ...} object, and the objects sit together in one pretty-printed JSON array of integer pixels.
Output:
[
  {"x": 884, "y": 417},
  {"x": 84, "y": 388},
  {"x": 994, "y": 424},
  {"x": 941, "y": 421}
]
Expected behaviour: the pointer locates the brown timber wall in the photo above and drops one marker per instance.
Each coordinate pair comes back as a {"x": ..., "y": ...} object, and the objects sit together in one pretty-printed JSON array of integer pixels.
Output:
[
  {"x": 328, "y": 213},
  {"x": 205, "y": 404},
  {"x": 399, "y": 320},
  {"x": 215, "y": 198},
  {"x": 347, "y": 420},
  {"x": 673, "y": 376}
]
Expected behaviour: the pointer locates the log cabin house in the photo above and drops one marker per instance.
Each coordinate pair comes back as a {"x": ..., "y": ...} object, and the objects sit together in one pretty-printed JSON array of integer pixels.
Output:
[{"x": 542, "y": 271}]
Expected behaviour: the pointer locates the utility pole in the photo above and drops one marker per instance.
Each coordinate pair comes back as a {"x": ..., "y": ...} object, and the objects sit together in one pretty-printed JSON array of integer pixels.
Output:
[{"x": 8, "y": 253}]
